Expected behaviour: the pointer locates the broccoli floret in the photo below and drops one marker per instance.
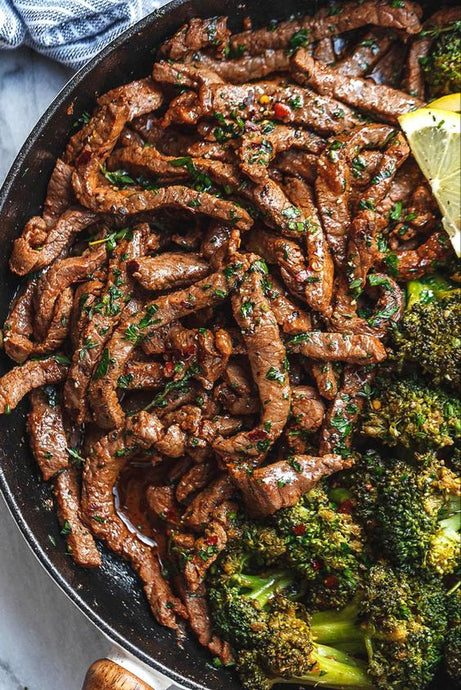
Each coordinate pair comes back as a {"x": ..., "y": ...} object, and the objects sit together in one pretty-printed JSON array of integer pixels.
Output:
[
  {"x": 429, "y": 334},
  {"x": 398, "y": 620},
  {"x": 442, "y": 66},
  {"x": 410, "y": 413},
  {"x": 412, "y": 514},
  {"x": 325, "y": 546},
  {"x": 452, "y": 649}
]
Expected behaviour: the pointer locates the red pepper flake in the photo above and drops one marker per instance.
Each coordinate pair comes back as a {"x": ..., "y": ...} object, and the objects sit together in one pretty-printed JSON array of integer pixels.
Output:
[
  {"x": 212, "y": 540},
  {"x": 170, "y": 515},
  {"x": 281, "y": 110},
  {"x": 331, "y": 582},
  {"x": 169, "y": 368},
  {"x": 257, "y": 435},
  {"x": 299, "y": 530},
  {"x": 346, "y": 506}
]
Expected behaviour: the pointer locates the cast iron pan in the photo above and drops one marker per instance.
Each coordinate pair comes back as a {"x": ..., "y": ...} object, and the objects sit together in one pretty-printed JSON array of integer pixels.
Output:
[{"x": 110, "y": 595}]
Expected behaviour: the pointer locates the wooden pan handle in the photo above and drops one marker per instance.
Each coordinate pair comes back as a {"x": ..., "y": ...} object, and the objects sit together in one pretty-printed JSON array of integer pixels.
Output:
[{"x": 107, "y": 675}]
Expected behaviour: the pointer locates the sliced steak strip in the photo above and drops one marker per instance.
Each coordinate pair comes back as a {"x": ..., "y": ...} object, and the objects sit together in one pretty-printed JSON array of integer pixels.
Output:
[
  {"x": 168, "y": 270},
  {"x": 248, "y": 67},
  {"x": 199, "y": 513},
  {"x": 46, "y": 431},
  {"x": 320, "y": 113},
  {"x": 319, "y": 279},
  {"x": 19, "y": 381},
  {"x": 133, "y": 329},
  {"x": 105, "y": 316},
  {"x": 139, "y": 375},
  {"x": 195, "y": 479},
  {"x": 267, "y": 357},
  {"x": 60, "y": 276},
  {"x": 100, "y": 474},
  {"x": 18, "y": 328},
  {"x": 326, "y": 379},
  {"x": 39, "y": 246},
  {"x": 257, "y": 150},
  {"x": 414, "y": 263},
  {"x": 290, "y": 317},
  {"x": 59, "y": 194},
  {"x": 377, "y": 100},
  {"x": 282, "y": 484},
  {"x": 334, "y": 180},
  {"x": 207, "y": 547},
  {"x": 344, "y": 411},
  {"x": 353, "y": 15},
  {"x": 198, "y": 34},
  {"x": 80, "y": 541},
  {"x": 365, "y": 54},
  {"x": 338, "y": 347}
]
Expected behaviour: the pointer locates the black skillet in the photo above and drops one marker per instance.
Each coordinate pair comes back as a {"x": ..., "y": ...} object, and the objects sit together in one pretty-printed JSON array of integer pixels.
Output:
[{"x": 111, "y": 595}]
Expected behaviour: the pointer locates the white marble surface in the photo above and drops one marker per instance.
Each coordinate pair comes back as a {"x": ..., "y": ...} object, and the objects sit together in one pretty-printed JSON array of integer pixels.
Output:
[{"x": 45, "y": 642}]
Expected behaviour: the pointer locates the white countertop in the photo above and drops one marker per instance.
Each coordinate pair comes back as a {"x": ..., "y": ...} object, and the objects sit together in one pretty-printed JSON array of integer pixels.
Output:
[{"x": 45, "y": 642}]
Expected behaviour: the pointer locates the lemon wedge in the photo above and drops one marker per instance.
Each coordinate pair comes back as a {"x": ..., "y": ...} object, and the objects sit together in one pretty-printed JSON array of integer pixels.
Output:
[
  {"x": 434, "y": 137},
  {"x": 451, "y": 102}
]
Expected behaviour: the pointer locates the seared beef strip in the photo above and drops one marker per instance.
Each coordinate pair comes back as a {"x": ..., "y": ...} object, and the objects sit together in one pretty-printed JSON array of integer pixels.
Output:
[
  {"x": 281, "y": 484},
  {"x": 168, "y": 270},
  {"x": 19, "y": 381},
  {"x": 338, "y": 347},
  {"x": 47, "y": 434},
  {"x": 267, "y": 358},
  {"x": 365, "y": 54},
  {"x": 377, "y": 100},
  {"x": 197, "y": 34},
  {"x": 353, "y": 15}
]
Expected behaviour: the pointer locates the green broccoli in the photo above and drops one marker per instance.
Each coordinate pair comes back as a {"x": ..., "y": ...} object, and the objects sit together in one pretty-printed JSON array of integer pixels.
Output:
[
  {"x": 412, "y": 514},
  {"x": 398, "y": 620},
  {"x": 395, "y": 623},
  {"x": 324, "y": 546},
  {"x": 429, "y": 334},
  {"x": 452, "y": 649},
  {"x": 442, "y": 67},
  {"x": 410, "y": 413},
  {"x": 272, "y": 635}
]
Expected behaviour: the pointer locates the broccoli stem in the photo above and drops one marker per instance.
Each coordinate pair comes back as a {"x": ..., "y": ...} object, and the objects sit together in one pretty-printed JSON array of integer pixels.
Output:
[
  {"x": 263, "y": 589},
  {"x": 334, "y": 669}
]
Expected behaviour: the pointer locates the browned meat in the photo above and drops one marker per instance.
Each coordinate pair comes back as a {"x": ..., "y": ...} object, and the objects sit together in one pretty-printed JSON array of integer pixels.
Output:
[
  {"x": 353, "y": 15},
  {"x": 338, "y": 347},
  {"x": 198, "y": 34},
  {"x": 289, "y": 316},
  {"x": 248, "y": 67},
  {"x": 46, "y": 433},
  {"x": 219, "y": 244},
  {"x": 183, "y": 75},
  {"x": 198, "y": 515},
  {"x": 258, "y": 149},
  {"x": 320, "y": 113},
  {"x": 267, "y": 357},
  {"x": 307, "y": 409},
  {"x": 296, "y": 163},
  {"x": 325, "y": 50},
  {"x": 365, "y": 54},
  {"x": 333, "y": 184},
  {"x": 388, "y": 70},
  {"x": 388, "y": 310},
  {"x": 319, "y": 280},
  {"x": 86, "y": 297},
  {"x": 19, "y": 381},
  {"x": 162, "y": 504},
  {"x": 105, "y": 316},
  {"x": 195, "y": 479},
  {"x": 196, "y": 604},
  {"x": 100, "y": 474},
  {"x": 207, "y": 547},
  {"x": 336, "y": 436},
  {"x": 80, "y": 541},
  {"x": 282, "y": 484},
  {"x": 59, "y": 194},
  {"x": 154, "y": 315},
  {"x": 39, "y": 246},
  {"x": 168, "y": 270},
  {"x": 147, "y": 375},
  {"x": 414, "y": 263},
  {"x": 18, "y": 328},
  {"x": 377, "y": 100},
  {"x": 60, "y": 276},
  {"x": 325, "y": 378}
]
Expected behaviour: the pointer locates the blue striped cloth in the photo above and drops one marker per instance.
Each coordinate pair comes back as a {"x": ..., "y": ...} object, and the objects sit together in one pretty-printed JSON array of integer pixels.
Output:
[{"x": 70, "y": 31}]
